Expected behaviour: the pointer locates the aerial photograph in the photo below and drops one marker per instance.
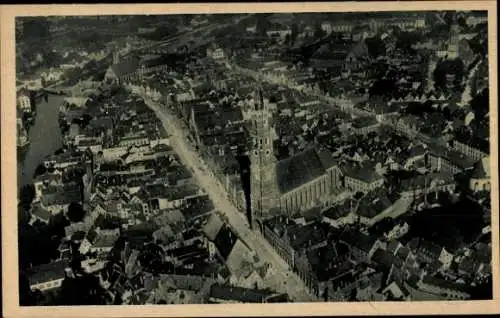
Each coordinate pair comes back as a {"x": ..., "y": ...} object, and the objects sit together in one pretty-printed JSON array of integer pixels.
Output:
[{"x": 253, "y": 158}]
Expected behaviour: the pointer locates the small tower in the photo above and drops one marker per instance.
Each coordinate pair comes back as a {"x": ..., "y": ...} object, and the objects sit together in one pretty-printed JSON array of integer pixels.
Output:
[{"x": 262, "y": 159}]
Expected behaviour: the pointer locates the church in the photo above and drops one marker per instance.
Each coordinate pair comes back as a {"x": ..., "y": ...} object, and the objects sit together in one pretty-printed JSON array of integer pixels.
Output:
[
  {"x": 133, "y": 67},
  {"x": 288, "y": 186}
]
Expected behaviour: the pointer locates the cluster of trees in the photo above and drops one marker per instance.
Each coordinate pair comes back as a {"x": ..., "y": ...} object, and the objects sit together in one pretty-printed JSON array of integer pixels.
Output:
[
  {"x": 452, "y": 225},
  {"x": 406, "y": 39},
  {"x": 480, "y": 103},
  {"x": 72, "y": 75},
  {"x": 425, "y": 109},
  {"x": 29, "y": 54},
  {"x": 33, "y": 29},
  {"x": 90, "y": 40},
  {"x": 38, "y": 244},
  {"x": 384, "y": 88}
]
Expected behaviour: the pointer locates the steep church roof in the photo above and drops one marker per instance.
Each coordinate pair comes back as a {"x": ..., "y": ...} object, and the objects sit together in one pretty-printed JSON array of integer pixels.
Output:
[{"x": 302, "y": 168}]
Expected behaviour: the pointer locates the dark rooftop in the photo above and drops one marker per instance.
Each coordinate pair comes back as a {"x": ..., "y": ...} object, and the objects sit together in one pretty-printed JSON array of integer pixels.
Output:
[
  {"x": 239, "y": 294},
  {"x": 47, "y": 272}
]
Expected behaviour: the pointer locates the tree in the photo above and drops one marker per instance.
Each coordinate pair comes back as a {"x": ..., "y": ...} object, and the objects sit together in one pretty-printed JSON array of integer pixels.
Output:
[
  {"x": 92, "y": 65},
  {"x": 36, "y": 245},
  {"x": 443, "y": 68},
  {"x": 483, "y": 290},
  {"x": 151, "y": 258},
  {"x": 358, "y": 195},
  {"x": 383, "y": 87},
  {"x": 406, "y": 39},
  {"x": 75, "y": 212},
  {"x": 263, "y": 25},
  {"x": 57, "y": 223}
]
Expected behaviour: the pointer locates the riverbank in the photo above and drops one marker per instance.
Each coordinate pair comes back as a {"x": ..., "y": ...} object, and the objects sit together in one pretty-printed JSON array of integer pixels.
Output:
[{"x": 45, "y": 138}]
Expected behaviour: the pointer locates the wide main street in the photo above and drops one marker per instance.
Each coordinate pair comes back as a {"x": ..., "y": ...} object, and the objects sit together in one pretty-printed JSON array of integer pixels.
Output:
[{"x": 280, "y": 277}]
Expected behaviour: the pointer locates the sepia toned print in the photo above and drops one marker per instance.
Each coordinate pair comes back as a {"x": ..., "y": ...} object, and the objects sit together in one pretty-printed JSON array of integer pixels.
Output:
[{"x": 254, "y": 158}]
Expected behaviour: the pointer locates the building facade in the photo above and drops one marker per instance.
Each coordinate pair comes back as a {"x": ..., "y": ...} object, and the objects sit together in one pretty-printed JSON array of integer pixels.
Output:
[{"x": 263, "y": 186}]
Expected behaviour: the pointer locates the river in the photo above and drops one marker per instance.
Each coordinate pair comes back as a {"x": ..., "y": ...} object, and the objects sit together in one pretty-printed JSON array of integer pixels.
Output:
[{"x": 44, "y": 136}]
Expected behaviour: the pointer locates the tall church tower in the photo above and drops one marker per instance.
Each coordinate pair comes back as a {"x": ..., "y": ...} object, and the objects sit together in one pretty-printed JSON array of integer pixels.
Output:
[{"x": 262, "y": 159}]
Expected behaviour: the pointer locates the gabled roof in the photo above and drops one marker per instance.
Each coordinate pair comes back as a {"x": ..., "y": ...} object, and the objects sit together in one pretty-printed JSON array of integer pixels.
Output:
[
  {"x": 329, "y": 261},
  {"x": 417, "y": 151},
  {"x": 364, "y": 173},
  {"x": 374, "y": 207},
  {"x": 304, "y": 236},
  {"x": 459, "y": 159},
  {"x": 61, "y": 198},
  {"x": 105, "y": 240},
  {"x": 403, "y": 252},
  {"x": 430, "y": 248}
]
